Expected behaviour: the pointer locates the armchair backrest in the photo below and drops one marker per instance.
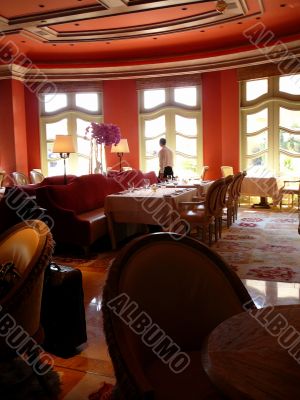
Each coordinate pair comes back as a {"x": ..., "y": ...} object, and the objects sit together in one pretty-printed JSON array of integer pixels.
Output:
[
  {"x": 36, "y": 176},
  {"x": 184, "y": 290},
  {"x": 19, "y": 178},
  {"x": 29, "y": 246},
  {"x": 226, "y": 170}
]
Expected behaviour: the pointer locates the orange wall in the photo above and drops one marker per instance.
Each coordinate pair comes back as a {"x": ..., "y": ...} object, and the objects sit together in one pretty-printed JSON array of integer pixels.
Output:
[
  {"x": 20, "y": 133},
  {"x": 211, "y": 117},
  {"x": 20, "y": 126},
  {"x": 220, "y": 115},
  {"x": 230, "y": 119},
  {"x": 120, "y": 106},
  {"x": 7, "y": 140},
  {"x": 33, "y": 129}
]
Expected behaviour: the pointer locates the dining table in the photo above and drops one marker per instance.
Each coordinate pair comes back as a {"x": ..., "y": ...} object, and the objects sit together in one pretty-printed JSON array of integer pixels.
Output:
[
  {"x": 147, "y": 206},
  {"x": 256, "y": 354}
]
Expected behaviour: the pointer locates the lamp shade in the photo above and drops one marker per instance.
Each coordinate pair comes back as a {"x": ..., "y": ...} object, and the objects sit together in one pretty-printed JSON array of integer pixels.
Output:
[
  {"x": 63, "y": 144},
  {"x": 121, "y": 147}
]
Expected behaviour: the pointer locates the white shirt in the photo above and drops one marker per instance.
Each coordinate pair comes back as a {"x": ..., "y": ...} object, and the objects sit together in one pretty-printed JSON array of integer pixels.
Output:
[{"x": 165, "y": 156}]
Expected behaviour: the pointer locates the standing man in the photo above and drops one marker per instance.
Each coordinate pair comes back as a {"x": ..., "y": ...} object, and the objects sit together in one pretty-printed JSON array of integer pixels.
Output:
[{"x": 165, "y": 156}]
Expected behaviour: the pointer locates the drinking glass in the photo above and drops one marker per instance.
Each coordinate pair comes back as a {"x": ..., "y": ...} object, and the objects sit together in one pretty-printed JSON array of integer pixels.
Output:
[
  {"x": 169, "y": 178},
  {"x": 130, "y": 186},
  {"x": 146, "y": 183}
]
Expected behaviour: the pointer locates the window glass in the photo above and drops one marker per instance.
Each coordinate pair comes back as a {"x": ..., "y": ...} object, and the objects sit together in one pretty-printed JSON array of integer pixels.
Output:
[
  {"x": 255, "y": 89},
  {"x": 152, "y": 165},
  {"x": 153, "y": 98},
  {"x": 257, "y": 121},
  {"x": 185, "y": 145},
  {"x": 88, "y": 101},
  {"x": 257, "y": 166},
  {"x": 56, "y": 128},
  {"x": 187, "y": 126},
  {"x": 290, "y": 84},
  {"x": 54, "y": 102},
  {"x": 289, "y": 142},
  {"x": 152, "y": 147},
  {"x": 289, "y": 119},
  {"x": 185, "y": 167},
  {"x": 155, "y": 127},
  {"x": 257, "y": 143},
  {"x": 289, "y": 166},
  {"x": 186, "y": 96}
]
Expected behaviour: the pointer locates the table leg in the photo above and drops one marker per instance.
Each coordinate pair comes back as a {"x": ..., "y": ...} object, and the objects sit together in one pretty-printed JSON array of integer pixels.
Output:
[{"x": 262, "y": 204}]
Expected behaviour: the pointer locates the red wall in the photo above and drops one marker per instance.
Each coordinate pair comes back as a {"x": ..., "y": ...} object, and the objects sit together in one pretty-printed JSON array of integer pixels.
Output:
[
  {"x": 220, "y": 114},
  {"x": 7, "y": 140},
  {"x": 20, "y": 133},
  {"x": 20, "y": 126},
  {"x": 33, "y": 129},
  {"x": 120, "y": 104}
]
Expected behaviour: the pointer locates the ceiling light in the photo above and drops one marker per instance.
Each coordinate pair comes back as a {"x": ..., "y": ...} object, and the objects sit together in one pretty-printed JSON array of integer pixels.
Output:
[{"x": 221, "y": 6}]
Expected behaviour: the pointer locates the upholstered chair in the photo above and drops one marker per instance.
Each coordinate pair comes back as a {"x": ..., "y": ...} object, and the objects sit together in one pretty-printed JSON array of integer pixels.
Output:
[
  {"x": 29, "y": 246},
  {"x": 202, "y": 215},
  {"x": 203, "y": 172},
  {"x": 165, "y": 290},
  {"x": 19, "y": 178},
  {"x": 232, "y": 196},
  {"x": 226, "y": 170},
  {"x": 36, "y": 176}
]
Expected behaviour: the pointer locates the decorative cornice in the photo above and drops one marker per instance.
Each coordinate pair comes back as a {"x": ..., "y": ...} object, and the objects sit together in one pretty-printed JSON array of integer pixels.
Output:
[{"x": 197, "y": 65}]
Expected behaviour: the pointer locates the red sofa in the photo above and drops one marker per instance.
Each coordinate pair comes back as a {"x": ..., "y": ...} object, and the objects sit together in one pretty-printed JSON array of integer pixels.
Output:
[
  {"x": 50, "y": 180},
  {"x": 77, "y": 208}
]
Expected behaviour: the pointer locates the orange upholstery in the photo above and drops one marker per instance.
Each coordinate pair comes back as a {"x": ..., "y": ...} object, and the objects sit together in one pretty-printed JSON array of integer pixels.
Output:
[
  {"x": 186, "y": 290},
  {"x": 29, "y": 246}
]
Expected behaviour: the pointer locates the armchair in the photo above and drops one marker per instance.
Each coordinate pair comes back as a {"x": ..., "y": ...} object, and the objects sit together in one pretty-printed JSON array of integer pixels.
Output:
[
  {"x": 195, "y": 290},
  {"x": 29, "y": 246}
]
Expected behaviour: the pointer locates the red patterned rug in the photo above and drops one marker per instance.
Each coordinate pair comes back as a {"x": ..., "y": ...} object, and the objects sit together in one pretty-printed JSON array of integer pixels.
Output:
[{"x": 263, "y": 245}]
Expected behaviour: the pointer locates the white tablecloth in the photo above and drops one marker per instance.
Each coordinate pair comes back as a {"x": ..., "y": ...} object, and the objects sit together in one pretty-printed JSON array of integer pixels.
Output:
[
  {"x": 263, "y": 187},
  {"x": 144, "y": 206}
]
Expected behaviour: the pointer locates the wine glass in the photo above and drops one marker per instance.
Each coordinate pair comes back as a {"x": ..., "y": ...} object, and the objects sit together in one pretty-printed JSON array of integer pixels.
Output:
[
  {"x": 146, "y": 183},
  {"x": 130, "y": 186},
  {"x": 169, "y": 178},
  {"x": 175, "y": 181}
]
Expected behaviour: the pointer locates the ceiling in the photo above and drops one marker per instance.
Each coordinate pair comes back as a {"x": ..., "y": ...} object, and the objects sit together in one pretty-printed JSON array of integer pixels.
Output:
[{"x": 126, "y": 32}]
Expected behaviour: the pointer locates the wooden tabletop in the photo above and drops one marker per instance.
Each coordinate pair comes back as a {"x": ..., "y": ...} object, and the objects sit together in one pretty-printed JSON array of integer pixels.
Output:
[{"x": 256, "y": 355}]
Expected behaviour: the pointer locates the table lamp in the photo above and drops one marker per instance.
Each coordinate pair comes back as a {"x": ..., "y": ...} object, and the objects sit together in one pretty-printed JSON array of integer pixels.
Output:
[
  {"x": 120, "y": 149},
  {"x": 64, "y": 145}
]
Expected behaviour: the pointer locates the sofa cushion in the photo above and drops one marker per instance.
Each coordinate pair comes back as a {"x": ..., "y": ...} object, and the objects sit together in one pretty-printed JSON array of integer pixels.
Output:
[
  {"x": 84, "y": 194},
  {"x": 98, "y": 223}
]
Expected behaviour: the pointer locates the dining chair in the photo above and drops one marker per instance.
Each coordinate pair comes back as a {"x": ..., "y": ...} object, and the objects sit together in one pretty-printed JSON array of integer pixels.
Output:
[
  {"x": 202, "y": 215},
  {"x": 226, "y": 170},
  {"x": 291, "y": 188},
  {"x": 232, "y": 195},
  {"x": 203, "y": 172},
  {"x": 19, "y": 178},
  {"x": 36, "y": 176},
  {"x": 163, "y": 296}
]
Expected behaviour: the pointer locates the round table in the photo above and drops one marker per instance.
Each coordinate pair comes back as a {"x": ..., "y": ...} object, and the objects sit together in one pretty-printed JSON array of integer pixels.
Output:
[{"x": 245, "y": 356}]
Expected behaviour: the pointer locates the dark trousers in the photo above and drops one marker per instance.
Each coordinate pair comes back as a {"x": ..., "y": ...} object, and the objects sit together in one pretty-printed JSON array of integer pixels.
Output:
[{"x": 168, "y": 171}]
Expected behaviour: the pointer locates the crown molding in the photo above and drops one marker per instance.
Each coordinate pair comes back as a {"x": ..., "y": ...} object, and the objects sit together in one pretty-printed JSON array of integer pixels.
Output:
[{"x": 273, "y": 55}]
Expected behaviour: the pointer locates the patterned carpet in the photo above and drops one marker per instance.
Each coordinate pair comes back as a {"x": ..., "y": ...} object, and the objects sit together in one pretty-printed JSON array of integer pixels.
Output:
[{"x": 263, "y": 245}]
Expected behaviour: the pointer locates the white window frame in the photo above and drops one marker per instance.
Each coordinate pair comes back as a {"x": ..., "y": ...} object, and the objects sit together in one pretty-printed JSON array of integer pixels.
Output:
[{"x": 170, "y": 108}]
